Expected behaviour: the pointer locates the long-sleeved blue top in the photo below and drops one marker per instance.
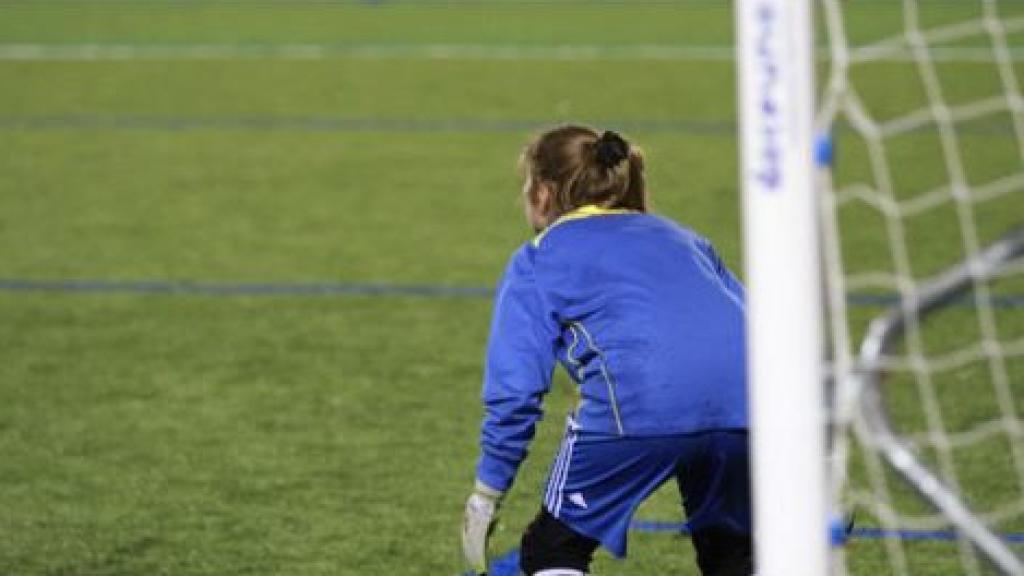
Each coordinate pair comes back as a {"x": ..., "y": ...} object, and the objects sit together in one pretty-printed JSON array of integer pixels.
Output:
[{"x": 643, "y": 315}]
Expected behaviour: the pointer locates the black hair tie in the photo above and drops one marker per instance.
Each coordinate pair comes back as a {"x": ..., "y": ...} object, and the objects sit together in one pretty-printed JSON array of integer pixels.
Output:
[{"x": 611, "y": 149}]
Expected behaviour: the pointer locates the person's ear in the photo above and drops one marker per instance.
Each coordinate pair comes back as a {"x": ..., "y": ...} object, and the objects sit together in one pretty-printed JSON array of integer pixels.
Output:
[{"x": 545, "y": 201}]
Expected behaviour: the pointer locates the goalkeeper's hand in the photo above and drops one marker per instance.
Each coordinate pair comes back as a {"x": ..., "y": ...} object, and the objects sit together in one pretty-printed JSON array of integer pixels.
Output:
[{"x": 481, "y": 513}]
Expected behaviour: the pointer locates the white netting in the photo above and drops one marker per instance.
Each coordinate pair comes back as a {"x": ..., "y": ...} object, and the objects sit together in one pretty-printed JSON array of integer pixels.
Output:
[{"x": 923, "y": 98}]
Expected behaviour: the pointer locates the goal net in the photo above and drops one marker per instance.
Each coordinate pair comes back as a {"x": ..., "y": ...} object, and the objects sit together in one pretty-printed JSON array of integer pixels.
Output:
[
  {"x": 918, "y": 184},
  {"x": 922, "y": 215}
]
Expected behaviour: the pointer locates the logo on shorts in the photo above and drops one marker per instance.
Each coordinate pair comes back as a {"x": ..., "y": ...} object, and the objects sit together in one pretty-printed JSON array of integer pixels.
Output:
[{"x": 577, "y": 499}]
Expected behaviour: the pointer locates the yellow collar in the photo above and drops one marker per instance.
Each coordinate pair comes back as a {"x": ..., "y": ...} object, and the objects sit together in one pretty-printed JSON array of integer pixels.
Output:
[{"x": 582, "y": 212}]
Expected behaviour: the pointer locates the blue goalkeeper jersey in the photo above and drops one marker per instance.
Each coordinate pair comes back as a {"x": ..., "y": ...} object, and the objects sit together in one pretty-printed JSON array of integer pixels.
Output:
[{"x": 642, "y": 314}]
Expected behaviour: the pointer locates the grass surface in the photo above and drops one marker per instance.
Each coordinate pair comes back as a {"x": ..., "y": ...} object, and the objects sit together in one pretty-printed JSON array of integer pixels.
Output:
[{"x": 204, "y": 435}]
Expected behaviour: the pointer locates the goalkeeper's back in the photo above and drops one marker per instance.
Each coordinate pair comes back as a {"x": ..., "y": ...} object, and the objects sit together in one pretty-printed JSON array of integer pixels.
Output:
[{"x": 650, "y": 323}]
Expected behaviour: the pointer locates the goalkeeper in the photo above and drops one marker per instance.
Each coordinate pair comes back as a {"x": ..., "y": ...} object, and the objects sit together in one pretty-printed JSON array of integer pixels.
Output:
[{"x": 649, "y": 324}]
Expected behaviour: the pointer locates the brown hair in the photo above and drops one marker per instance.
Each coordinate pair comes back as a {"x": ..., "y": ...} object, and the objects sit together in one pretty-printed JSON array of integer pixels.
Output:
[{"x": 584, "y": 167}]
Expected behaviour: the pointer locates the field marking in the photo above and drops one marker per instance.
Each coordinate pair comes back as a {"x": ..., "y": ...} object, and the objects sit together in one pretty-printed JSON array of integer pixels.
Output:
[
  {"x": 863, "y": 533},
  {"x": 505, "y": 564},
  {"x": 382, "y": 3},
  {"x": 338, "y": 124},
  {"x": 314, "y": 51},
  {"x": 90, "y": 52},
  {"x": 200, "y": 288},
  {"x": 273, "y": 123},
  {"x": 369, "y": 3},
  {"x": 244, "y": 289}
]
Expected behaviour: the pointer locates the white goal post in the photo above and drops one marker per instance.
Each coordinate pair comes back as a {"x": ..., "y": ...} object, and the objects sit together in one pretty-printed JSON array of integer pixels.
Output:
[{"x": 781, "y": 255}]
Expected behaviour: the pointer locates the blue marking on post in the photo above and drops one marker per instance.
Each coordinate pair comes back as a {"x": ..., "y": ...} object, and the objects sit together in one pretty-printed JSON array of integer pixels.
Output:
[
  {"x": 824, "y": 150},
  {"x": 769, "y": 170},
  {"x": 839, "y": 533}
]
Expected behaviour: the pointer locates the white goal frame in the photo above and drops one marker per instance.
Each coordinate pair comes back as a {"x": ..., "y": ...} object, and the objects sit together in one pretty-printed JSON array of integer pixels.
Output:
[{"x": 782, "y": 264}]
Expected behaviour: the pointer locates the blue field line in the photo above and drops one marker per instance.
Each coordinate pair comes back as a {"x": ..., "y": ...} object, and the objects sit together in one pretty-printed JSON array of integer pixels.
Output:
[
  {"x": 931, "y": 535},
  {"x": 862, "y": 533},
  {"x": 201, "y": 288},
  {"x": 507, "y": 563},
  {"x": 869, "y": 300},
  {"x": 659, "y": 526},
  {"x": 244, "y": 289}
]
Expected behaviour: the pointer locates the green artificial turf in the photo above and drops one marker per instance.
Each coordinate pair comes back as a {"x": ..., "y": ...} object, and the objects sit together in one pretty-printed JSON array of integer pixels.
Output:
[{"x": 186, "y": 434}]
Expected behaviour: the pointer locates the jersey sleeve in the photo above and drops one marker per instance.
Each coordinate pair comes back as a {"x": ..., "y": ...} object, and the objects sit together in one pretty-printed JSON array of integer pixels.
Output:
[
  {"x": 725, "y": 276},
  {"x": 521, "y": 356}
]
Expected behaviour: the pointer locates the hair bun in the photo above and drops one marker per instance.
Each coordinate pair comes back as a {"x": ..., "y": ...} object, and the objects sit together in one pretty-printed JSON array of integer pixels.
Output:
[{"x": 611, "y": 149}]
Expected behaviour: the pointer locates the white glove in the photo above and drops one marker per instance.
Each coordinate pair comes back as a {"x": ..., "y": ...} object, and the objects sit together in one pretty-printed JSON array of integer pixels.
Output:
[{"x": 481, "y": 512}]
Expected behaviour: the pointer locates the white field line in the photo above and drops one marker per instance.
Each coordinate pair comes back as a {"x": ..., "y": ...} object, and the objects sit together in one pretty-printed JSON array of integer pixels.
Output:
[
  {"x": 58, "y": 52},
  {"x": 577, "y": 52}
]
